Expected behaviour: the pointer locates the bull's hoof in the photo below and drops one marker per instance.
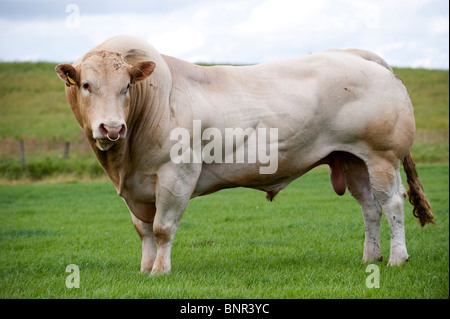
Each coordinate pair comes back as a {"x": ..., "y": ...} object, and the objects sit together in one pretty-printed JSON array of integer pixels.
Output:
[
  {"x": 159, "y": 269},
  {"x": 372, "y": 257},
  {"x": 397, "y": 261},
  {"x": 159, "y": 272},
  {"x": 145, "y": 271},
  {"x": 146, "y": 265}
]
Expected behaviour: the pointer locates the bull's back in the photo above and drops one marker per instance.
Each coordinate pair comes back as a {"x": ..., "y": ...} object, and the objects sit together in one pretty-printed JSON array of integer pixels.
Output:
[{"x": 345, "y": 94}]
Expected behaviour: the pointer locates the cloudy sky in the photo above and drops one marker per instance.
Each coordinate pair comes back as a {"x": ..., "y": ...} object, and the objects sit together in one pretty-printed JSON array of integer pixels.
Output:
[{"x": 407, "y": 33}]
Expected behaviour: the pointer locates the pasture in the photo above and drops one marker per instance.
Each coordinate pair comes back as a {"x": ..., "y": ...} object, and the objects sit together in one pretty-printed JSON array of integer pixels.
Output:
[
  {"x": 55, "y": 212},
  {"x": 231, "y": 244}
]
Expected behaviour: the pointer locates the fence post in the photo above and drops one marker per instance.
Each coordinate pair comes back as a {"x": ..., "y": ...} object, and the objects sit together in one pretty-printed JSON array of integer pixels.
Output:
[
  {"x": 22, "y": 154},
  {"x": 66, "y": 150}
]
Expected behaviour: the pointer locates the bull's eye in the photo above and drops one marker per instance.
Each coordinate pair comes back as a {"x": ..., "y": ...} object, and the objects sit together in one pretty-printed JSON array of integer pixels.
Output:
[
  {"x": 128, "y": 88},
  {"x": 87, "y": 86}
]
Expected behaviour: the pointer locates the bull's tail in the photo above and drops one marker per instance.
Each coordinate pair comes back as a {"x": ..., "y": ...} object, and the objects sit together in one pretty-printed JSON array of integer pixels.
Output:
[{"x": 416, "y": 194}]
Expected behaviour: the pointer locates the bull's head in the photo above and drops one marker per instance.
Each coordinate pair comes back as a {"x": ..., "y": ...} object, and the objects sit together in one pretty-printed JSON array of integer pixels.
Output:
[{"x": 98, "y": 92}]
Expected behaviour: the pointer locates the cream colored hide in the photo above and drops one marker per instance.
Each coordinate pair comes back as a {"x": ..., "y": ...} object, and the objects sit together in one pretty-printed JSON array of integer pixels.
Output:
[{"x": 344, "y": 108}]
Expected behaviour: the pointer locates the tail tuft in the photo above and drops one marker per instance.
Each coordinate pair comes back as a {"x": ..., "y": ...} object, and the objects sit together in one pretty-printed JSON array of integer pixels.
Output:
[
  {"x": 270, "y": 195},
  {"x": 416, "y": 194}
]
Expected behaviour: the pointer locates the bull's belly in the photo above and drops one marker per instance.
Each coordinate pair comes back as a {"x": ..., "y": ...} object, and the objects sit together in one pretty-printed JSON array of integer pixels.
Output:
[
  {"x": 215, "y": 177},
  {"x": 247, "y": 176}
]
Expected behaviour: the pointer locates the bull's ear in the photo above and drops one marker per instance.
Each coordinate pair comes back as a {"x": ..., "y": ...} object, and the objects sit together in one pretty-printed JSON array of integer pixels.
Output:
[
  {"x": 68, "y": 74},
  {"x": 141, "y": 70}
]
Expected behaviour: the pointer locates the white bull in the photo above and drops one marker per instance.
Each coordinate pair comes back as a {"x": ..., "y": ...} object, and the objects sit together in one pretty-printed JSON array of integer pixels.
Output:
[{"x": 159, "y": 128}]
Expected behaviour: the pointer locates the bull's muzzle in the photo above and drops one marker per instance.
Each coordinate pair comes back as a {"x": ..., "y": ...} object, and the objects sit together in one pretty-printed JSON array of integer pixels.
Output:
[
  {"x": 112, "y": 133},
  {"x": 108, "y": 133}
]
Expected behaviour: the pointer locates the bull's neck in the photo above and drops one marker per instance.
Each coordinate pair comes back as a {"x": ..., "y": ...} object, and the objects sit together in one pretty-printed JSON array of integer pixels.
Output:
[
  {"x": 149, "y": 110},
  {"x": 112, "y": 161}
]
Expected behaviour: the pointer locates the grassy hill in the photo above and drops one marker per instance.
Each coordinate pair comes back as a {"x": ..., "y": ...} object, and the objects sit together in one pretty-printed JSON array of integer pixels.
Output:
[{"x": 33, "y": 108}]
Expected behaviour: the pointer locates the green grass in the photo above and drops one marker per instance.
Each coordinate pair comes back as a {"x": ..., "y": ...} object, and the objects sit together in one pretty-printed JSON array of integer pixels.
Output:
[
  {"x": 34, "y": 108},
  {"x": 231, "y": 244},
  {"x": 429, "y": 92},
  {"x": 33, "y": 103},
  {"x": 50, "y": 167}
]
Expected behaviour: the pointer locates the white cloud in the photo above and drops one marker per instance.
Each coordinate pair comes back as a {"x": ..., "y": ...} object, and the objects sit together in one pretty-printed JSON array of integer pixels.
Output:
[
  {"x": 404, "y": 32},
  {"x": 439, "y": 26},
  {"x": 178, "y": 41},
  {"x": 276, "y": 16},
  {"x": 425, "y": 63}
]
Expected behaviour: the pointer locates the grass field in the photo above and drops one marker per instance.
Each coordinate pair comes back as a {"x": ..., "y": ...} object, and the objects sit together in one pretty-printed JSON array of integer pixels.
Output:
[{"x": 231, "y": 244}]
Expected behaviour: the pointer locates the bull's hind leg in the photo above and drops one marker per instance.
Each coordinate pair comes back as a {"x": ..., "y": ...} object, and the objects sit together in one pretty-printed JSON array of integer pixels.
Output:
[
  {"x": 388, "y": 189},
  {"x": 358, "y": 183}
]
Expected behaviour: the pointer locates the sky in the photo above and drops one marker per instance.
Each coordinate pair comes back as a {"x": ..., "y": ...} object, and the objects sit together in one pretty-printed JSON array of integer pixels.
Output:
[{"x": 406, "y": 33}]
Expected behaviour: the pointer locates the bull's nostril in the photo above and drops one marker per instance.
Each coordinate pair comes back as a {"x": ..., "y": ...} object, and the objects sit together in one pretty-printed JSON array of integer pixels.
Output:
[
  {"x": 103, "y": 129},
  {"x": 122, "y": 130}
]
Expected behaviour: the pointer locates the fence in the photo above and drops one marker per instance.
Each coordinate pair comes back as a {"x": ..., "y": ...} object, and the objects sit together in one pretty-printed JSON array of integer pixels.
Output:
[
  {"x": 22, "y": 152},
  {"x": 35, "y": 160}
]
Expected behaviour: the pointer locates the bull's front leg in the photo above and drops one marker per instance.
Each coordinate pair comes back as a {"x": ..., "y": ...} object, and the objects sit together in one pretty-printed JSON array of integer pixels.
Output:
[
  {"x": 145, "y": 231},
  {"x": 143, "y": 215},
  {"x": 176, "y": 183}
]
